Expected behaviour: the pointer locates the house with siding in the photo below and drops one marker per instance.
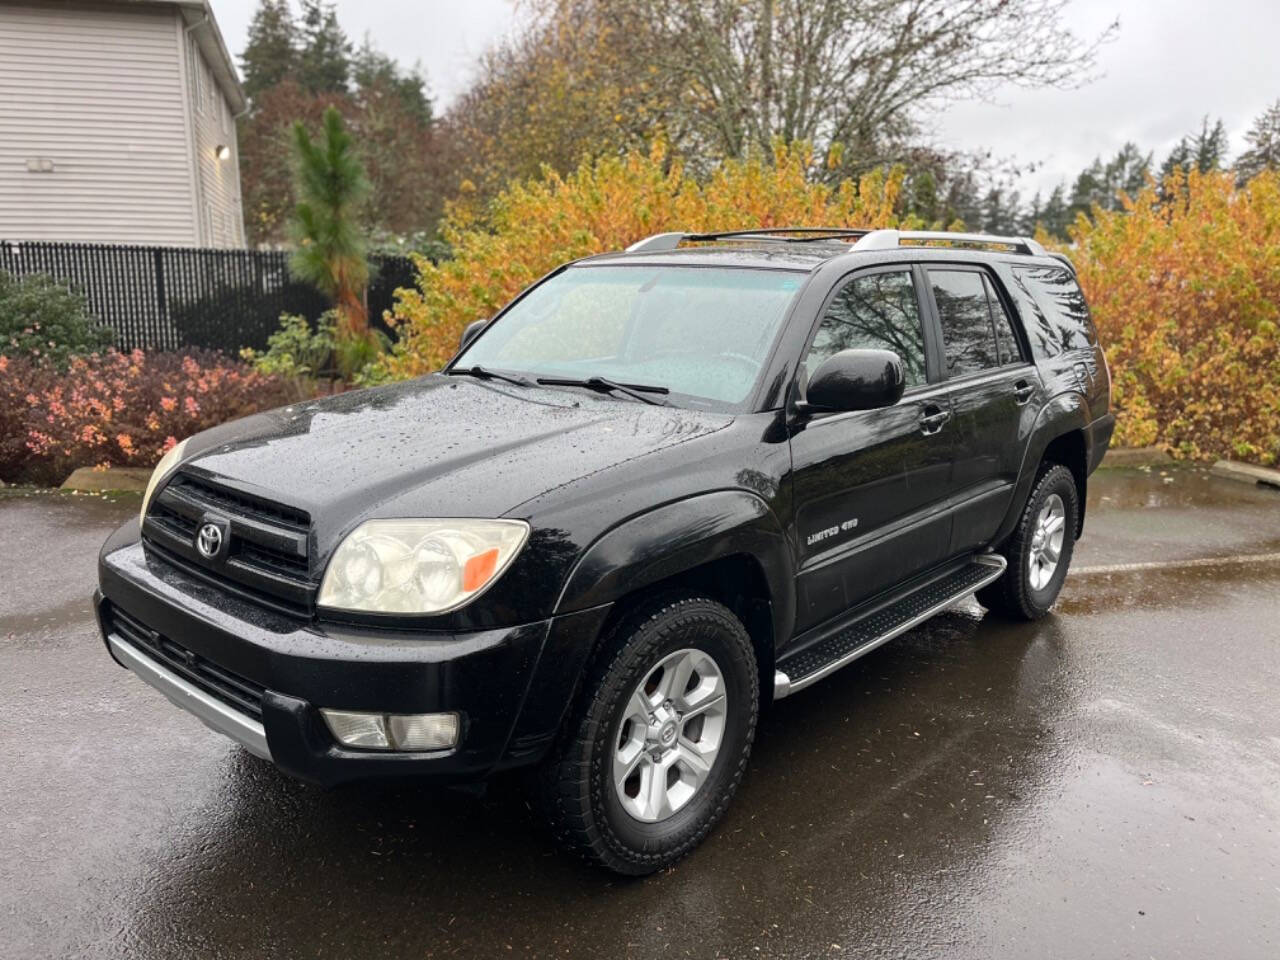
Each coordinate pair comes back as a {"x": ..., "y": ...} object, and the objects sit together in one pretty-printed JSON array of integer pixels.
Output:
[{"x": 117, "y": 124}]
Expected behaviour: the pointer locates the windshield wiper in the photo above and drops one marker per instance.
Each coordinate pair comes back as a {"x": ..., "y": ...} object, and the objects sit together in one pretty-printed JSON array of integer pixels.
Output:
[
  {"x": 636, "y": 391},
  {"x": 484, "y": 373}
]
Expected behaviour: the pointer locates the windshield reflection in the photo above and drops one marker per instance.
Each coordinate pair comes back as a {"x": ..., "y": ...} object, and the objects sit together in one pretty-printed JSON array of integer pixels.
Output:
[{"x": 701, "y": 333}]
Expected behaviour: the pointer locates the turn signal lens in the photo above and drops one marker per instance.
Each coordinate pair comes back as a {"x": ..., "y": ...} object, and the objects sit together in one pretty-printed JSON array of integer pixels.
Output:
[{"x": 479, "y": 569}]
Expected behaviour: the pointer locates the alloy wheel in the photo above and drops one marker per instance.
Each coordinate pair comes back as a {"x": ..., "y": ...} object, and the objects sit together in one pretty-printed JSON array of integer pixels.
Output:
[
  {"x": 1046, "y": 542},
  {"x": 671, "y": 731}
]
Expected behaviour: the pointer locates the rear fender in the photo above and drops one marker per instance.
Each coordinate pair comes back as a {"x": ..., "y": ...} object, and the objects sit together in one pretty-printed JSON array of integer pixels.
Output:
[{"x": 1063, "y": 414}]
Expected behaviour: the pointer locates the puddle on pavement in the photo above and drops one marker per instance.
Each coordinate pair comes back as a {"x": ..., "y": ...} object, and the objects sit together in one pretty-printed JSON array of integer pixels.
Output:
[
  {"x": 1164, "y": 586},
  {"x": 1172, "y": 486}
]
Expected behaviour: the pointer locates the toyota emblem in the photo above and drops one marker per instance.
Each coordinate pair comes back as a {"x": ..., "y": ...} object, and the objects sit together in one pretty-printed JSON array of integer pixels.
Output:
[{"x": 209, "y": 540}]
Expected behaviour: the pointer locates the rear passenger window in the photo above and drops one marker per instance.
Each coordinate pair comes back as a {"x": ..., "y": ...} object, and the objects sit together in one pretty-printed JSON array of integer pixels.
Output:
[
  {"x": 877, "y": 311},
  {"x": 968, "y": 336},
  {"x": 1063, "y": 312},
  {"x": 1010, "y": 352}
]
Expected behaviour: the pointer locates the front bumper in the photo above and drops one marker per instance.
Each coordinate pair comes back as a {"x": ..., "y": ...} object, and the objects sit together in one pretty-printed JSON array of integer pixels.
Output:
[{"x": 511, "y": 686}]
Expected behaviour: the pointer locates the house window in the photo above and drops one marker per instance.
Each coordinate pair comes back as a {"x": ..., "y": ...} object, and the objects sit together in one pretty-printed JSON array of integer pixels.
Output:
[{"x": 197, "y": 74}]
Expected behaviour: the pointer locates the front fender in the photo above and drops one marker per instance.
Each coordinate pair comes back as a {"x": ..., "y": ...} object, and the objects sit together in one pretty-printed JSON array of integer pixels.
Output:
[
  {"x": 638, "y": 553},
  {"x": 678, "y": 537}
]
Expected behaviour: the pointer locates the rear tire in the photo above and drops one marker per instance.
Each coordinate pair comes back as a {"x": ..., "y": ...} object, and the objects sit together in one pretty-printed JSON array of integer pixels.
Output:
[
  {"x": 659, "y": 741},
  {"x": 1039, "y": 551}
]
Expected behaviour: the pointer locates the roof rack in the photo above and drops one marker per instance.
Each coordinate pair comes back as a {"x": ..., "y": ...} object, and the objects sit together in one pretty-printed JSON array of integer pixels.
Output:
[
  {"x": 888, "y": 239},
  {"x": 669, "y": 241},
  {"x": 865, "y": 240}
]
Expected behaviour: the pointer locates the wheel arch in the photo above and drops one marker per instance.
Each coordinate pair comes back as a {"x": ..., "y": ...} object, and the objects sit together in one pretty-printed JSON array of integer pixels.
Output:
[
  {"x": 726, "y": 545},
  {"x": 1061, "y": 435}
]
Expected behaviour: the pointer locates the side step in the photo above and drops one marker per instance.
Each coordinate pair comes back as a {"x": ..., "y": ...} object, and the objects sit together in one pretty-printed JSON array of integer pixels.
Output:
[{"x": 797, "y": 670}]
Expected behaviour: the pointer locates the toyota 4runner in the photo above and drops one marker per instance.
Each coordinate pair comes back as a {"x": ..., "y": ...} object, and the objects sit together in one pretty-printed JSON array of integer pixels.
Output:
[{"x": 658, "y": 490}]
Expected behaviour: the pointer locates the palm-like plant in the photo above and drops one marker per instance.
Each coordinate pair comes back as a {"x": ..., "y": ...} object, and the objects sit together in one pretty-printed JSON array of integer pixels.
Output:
[{"x": 329, "y": 249}]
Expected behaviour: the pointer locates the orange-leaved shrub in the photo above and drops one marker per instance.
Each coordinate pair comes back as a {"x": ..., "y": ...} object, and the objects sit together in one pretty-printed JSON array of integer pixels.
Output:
[
  {"x": 536, "y": 225},
  {"x": 1185, "y": 289},
  {"x": 118, "y": 409}
]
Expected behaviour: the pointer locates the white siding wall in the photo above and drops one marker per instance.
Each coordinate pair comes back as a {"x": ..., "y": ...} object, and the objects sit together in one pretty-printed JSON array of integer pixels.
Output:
[
  {"x": 99, "y": 93},
  {"x": 222, "y": 218}
]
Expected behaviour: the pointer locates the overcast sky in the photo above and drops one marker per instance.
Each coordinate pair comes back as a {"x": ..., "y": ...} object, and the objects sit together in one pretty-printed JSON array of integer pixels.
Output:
[{"x": 1173, "y": 62}]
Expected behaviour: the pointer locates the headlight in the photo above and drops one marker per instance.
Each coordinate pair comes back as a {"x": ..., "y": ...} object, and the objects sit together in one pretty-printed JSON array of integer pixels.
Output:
[
  {"x": 162, "y": 470},
  {"x": 418, "y": 566}
]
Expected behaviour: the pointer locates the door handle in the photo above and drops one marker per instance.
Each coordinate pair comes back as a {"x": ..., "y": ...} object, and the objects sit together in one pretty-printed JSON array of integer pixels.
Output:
[
  {"x": 932, "y": 419},
  {"x": 1023, "y": 391}
]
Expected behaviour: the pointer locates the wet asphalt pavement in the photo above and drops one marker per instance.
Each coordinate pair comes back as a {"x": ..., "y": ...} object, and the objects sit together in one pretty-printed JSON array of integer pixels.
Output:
[{"x": 1104, "y": 783}]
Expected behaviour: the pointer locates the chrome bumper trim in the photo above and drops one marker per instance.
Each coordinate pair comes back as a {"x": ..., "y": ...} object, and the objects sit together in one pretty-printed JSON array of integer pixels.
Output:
[{"x": 211, "y": 711}]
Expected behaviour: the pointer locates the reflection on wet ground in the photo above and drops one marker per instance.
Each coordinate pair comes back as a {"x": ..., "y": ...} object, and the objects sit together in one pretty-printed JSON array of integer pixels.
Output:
[{"x": 1101, "y": 783}]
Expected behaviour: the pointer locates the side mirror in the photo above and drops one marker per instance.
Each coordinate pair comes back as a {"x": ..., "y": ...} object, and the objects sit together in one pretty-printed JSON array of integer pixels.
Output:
[
  {"x": 857, "y": 380},
  {"x": 470, "y": 332}
]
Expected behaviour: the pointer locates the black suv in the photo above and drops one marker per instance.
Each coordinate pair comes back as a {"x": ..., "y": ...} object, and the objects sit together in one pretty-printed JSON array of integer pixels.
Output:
[{"x": 661, "y": 488}]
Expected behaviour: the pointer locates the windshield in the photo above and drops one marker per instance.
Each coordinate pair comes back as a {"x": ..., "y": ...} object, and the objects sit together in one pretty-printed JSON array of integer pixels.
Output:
[{"x": 703, "y": 333}]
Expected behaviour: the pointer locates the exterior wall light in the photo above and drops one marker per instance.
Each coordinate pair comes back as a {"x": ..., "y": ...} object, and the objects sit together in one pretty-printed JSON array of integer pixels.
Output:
[{"x": 222, "y": 151}]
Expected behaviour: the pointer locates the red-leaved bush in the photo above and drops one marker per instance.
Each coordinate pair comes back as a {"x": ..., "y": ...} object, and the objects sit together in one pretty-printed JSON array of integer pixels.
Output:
[{"x": 119, "y": 409}]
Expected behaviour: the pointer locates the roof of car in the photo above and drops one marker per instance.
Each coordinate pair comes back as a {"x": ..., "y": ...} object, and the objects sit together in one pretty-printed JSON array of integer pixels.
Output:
[{"x": 806, "y": 249}]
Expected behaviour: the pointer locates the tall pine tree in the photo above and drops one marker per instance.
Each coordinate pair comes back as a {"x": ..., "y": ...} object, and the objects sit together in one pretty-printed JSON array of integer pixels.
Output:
[
  {"x": 1203, "y": 151},
  {"x": 324, "y": 61},
  {"x": 271, "y": 52},
  {"x": 1264, "y": 145},
  {"x": 377, "y": 75}
]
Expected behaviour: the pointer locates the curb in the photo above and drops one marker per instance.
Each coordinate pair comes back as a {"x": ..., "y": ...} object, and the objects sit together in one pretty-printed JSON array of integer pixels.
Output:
[
  {"x": 1136, "y": 457},
  {"x": 1246, "y": 473},
  {"x": 93, "y": 480}
]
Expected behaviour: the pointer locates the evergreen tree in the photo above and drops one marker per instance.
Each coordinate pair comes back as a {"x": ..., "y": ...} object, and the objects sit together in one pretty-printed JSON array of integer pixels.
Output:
[
  {"x": 1264, "y": 145},
  {"x": 1055, "y": 217},
  {"x": 271, "y": 53},
  {"x": 1203, "y": 151},
  {"x": 1211, "y": 147},
  {"x": 1031, "y": 217},
  {"x": 1001, "y": 211},
  {"x": 1100, "y": 184},
  {"x": 329, "y": 246},
  {"x": 1129, "y": 170},
  {"x": 324, "y": 60},
  {"x": 377, "y": 75}
]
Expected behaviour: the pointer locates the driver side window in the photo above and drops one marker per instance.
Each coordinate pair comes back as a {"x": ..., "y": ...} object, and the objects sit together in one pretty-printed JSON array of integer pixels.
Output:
[{"x": 877, "y": 311}]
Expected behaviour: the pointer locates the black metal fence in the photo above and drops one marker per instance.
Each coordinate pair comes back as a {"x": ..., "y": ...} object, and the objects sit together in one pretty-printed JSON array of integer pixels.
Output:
[{"x": 167, "y": 298}]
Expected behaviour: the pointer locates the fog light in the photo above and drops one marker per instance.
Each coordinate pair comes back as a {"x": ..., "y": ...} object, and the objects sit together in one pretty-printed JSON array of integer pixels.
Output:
[{"x": 406, "y": 732}]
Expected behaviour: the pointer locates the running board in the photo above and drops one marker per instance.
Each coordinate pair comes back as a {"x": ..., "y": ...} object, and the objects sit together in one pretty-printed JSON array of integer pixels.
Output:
[{"x": 797, "y": 670}]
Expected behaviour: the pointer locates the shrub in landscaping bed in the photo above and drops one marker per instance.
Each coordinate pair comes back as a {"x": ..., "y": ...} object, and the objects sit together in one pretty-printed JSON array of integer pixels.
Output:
[
  {"x": 118, "y": 409},
  {"x": 605, "y": 205},
  {"x": 1185, "y": 289},
  {"x": 41, "y": 319}
]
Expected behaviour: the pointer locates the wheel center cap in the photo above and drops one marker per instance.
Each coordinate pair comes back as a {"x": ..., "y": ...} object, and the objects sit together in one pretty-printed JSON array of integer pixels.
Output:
[{"x": 667, "y": 735}]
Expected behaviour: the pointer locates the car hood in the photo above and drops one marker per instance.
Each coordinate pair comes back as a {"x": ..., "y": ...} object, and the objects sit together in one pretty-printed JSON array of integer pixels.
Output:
[{"x": 437, "y": 446}]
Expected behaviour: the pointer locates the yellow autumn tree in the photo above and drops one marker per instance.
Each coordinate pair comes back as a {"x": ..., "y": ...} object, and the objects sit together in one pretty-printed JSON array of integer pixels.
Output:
[
  {"x": 603, "y": 205},
  {"x": 1184, "y": 283}
]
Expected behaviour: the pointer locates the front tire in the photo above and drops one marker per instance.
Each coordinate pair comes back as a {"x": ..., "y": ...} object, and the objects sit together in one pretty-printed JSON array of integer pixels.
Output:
[
  {"x": 1039, "y": 551},
  {"x": 660, "y": 739}
]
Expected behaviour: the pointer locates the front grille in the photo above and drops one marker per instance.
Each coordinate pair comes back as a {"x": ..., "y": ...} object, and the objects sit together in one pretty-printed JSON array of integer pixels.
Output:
[
  {"x": 231, "y": 688},
  {"x": 266, "y": 554},
  {"x": 232, "y": 502}
]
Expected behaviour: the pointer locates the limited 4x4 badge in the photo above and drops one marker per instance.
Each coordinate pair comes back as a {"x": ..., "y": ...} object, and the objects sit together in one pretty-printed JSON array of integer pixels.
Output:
[{"x": 829, "y": 532}]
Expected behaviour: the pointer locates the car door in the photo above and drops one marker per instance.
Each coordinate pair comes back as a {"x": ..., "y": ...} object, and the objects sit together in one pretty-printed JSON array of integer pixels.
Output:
[
  {"x": 990, "y": 386},
  {"x": 867, "y": 484}
]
